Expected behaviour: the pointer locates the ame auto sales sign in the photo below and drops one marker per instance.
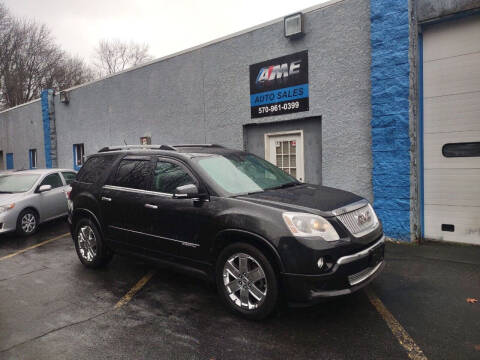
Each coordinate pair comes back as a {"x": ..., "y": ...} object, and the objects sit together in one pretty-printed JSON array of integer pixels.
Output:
[{"x": 279, "y": 86}]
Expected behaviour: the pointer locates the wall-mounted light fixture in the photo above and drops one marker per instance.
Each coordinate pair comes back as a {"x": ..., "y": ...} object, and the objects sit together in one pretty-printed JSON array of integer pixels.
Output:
[
  {"x": 64, "y": 97},
  {"x": 293, "y": 26}
]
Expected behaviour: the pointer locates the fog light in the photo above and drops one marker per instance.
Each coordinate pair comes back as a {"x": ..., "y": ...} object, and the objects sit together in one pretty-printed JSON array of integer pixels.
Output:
[{"x": 320, "y": 263}]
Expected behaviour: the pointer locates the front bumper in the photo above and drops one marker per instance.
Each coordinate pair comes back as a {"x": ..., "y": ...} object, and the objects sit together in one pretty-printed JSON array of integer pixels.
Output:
[
  {"x": 8, "y": 221},
  {"x": 349, "y": 274}
]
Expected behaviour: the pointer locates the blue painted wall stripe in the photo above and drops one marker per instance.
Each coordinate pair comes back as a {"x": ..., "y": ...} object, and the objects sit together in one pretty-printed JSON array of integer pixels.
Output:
[
  {"x": 420, "y": 134},
  {"x": 46, "y": 129},
  {"x": 390, "y": 70}
]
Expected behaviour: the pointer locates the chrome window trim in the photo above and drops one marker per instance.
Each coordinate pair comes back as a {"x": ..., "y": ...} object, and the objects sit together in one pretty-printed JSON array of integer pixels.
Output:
[
  {"x": 137, "y": 191},
  {"x": 184, "y": 243},
  {"x": 354, "y": 257},
  {"x": 350, "y": 207}
]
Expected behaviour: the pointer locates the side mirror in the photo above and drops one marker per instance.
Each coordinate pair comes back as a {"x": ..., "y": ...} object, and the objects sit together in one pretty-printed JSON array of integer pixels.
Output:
[
  {"x": 188, "y": 191},
  {"x": 44, "y": 188}
]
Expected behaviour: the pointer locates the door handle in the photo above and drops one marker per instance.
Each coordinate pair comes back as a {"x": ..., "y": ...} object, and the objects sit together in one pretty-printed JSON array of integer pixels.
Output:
[
  {"x": 106, "y": 199},
  {"x": 150, "y": 206}
]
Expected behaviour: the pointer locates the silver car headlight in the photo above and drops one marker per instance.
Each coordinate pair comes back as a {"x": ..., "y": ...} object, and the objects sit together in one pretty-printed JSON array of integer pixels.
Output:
[
  {"x": 309, "y": 225},
  {"x": 4, "y": 208}
]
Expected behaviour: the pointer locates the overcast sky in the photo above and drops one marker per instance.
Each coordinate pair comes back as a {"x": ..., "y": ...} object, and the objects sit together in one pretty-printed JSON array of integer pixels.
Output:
[{"x": 167, "y": 26}]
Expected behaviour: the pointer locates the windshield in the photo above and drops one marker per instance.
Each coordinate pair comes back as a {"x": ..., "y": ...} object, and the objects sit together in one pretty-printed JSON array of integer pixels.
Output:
[
  {"x": 14, "y": 183},
  {"x": 244, "y": 173}
]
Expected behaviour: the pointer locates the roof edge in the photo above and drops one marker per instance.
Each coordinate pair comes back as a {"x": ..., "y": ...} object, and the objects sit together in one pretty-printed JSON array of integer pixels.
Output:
[{"x": 193, "y": 48}]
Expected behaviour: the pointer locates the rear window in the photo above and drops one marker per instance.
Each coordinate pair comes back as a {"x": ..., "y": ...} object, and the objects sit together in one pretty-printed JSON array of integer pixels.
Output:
[
  {"x": 94, "y": 168},
  {"x": 134, "y": 174}
]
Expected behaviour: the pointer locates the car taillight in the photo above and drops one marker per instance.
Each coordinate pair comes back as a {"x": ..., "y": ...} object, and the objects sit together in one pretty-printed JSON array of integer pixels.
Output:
[{"x": 68, "y": 194}]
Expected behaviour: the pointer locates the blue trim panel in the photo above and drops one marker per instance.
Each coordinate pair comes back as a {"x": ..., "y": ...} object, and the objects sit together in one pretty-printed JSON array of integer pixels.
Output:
[
  {"x": 10, "y": 164},
  {"x": 420, "y": 135},
  {"x": 46, "y": 129},
  {"x": 279, "y": 95},
  {"x": 390, "y": 71},
  {"x": 30, "y": 159}
]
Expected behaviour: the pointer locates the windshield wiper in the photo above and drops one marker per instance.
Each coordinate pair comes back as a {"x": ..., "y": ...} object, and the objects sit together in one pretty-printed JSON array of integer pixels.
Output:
[
  {"x": 5, "y": 192},
  {"x": 283, "y": 186}
]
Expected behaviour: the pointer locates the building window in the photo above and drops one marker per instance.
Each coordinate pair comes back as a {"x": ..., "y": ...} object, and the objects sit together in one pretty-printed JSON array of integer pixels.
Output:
[
  {"x": 32, "y": 158},
  {"x": 10, "y": 164},
  {"x": 467, "y": 149},
  {"x": 78, "y": 154}
]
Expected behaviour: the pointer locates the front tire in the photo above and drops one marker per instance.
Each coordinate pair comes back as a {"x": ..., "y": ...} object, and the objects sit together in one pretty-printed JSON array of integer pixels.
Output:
[
  {"x": 246, "y": 281},
  {"x": 27, "y": 222},
  {"x": 89, "y": 245}
]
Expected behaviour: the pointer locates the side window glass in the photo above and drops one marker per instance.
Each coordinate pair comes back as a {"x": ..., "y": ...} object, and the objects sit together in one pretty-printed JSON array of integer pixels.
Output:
[
  {"x": 94, "y": 168},
  {"x": 133, "y": 174},
  {"x": 69, "y": 177},
  {"x": 168, "y": 176},
  {"x": 53, "y": 180}
]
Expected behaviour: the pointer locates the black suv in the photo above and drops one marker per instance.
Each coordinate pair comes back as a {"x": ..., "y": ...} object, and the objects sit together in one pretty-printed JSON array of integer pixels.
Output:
[{"x": 228, "y": 216}]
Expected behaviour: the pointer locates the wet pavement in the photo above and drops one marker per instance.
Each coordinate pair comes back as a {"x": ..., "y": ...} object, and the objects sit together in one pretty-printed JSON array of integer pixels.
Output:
[{"x": 51, "y": 307}]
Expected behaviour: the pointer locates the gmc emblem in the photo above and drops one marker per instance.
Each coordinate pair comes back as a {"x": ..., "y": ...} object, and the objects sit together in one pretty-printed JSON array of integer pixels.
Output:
[{"x": 364, "y": 218}]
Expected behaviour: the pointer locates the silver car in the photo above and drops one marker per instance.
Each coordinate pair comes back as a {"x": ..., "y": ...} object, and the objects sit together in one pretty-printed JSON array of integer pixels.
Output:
[{"x": 31, "y": 197}]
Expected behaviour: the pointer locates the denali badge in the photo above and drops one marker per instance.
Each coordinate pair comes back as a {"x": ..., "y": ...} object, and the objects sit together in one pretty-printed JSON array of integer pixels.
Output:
[{"x": 364, "y": 218}]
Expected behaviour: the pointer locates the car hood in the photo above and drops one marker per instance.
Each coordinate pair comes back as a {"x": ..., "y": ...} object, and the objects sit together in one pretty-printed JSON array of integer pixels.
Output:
[
  {"x": 7, "y": 198},
  {"x": 305, "y": 197}
]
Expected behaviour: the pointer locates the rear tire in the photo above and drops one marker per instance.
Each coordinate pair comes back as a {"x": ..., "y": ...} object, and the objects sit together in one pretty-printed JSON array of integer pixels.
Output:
[
  {"x": 27, "y": 222},
  {"x": 246, "y": 281},
  {"x": 91, "y": 249}
]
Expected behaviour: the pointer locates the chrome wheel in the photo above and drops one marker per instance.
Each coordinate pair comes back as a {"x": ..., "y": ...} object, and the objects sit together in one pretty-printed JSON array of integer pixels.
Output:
[
  {"x": 245, "y": 281},
  {"x": 87, "y": 243},
  {"x": 29, "y": 223}
]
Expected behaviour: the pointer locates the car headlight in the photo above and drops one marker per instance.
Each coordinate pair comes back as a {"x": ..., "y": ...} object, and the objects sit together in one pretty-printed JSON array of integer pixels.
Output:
[
  {"x": 309, "y": 225},
  {"x": 6, "y": 207}
]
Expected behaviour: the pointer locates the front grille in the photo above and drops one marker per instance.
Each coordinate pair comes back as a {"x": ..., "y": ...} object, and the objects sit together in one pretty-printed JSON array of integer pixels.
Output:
[
  {"x": 360, "y": 221},
  {"x": 363, "y": 275}
]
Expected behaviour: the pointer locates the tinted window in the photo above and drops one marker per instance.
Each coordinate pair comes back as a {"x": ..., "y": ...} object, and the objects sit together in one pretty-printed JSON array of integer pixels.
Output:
[
  {"x": 133, "y": 174},
  {"x": 69, "y": 176},
  {"x": 467, "y": 149},
  {"x": 168, "y": 176},
  {"x": 95, "y": 167},
  {"x": 53, "y": 180}
]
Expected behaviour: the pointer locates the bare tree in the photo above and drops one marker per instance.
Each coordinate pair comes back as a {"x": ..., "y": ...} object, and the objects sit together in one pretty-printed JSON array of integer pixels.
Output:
[
  {"x": 112, "y": 56},
  {"x": 30, "y": 61}
]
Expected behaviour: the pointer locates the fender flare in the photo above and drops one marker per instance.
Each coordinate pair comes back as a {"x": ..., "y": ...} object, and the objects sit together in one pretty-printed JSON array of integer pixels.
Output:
[
  {"x": 78, "y": 211},
  {"x": 258, "y": 238}
]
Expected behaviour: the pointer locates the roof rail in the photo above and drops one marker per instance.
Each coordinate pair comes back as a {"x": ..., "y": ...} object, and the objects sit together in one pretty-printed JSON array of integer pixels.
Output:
[
  {"x": 197, "y": 145},
  {"x": 136, "y": 147},
  {"x": 156, "y": 147}
]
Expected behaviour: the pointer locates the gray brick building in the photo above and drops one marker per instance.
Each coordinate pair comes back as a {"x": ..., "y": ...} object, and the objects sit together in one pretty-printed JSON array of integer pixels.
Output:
[{"x": 378, "y": 97}]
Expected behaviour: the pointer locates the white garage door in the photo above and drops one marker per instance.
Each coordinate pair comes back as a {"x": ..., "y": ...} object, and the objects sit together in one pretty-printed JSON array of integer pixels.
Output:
[{"x": 451, "y": 78}]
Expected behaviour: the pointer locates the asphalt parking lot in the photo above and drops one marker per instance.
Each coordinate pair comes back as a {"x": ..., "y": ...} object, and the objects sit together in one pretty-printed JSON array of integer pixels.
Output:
[{"x": 51, "y": 307}]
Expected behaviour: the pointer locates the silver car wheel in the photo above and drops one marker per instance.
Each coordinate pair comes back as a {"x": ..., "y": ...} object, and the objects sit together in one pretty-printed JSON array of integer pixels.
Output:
[
  {"x": 245, "y": 281},
  {"x": 29, "y": 223},
  {"x": 87, "y": 243}
]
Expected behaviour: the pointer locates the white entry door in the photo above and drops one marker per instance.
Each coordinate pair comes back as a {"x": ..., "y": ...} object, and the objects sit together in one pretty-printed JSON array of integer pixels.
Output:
[
  {"x": 285, "y": 150},
  {"x": 451, "y": 75}
]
